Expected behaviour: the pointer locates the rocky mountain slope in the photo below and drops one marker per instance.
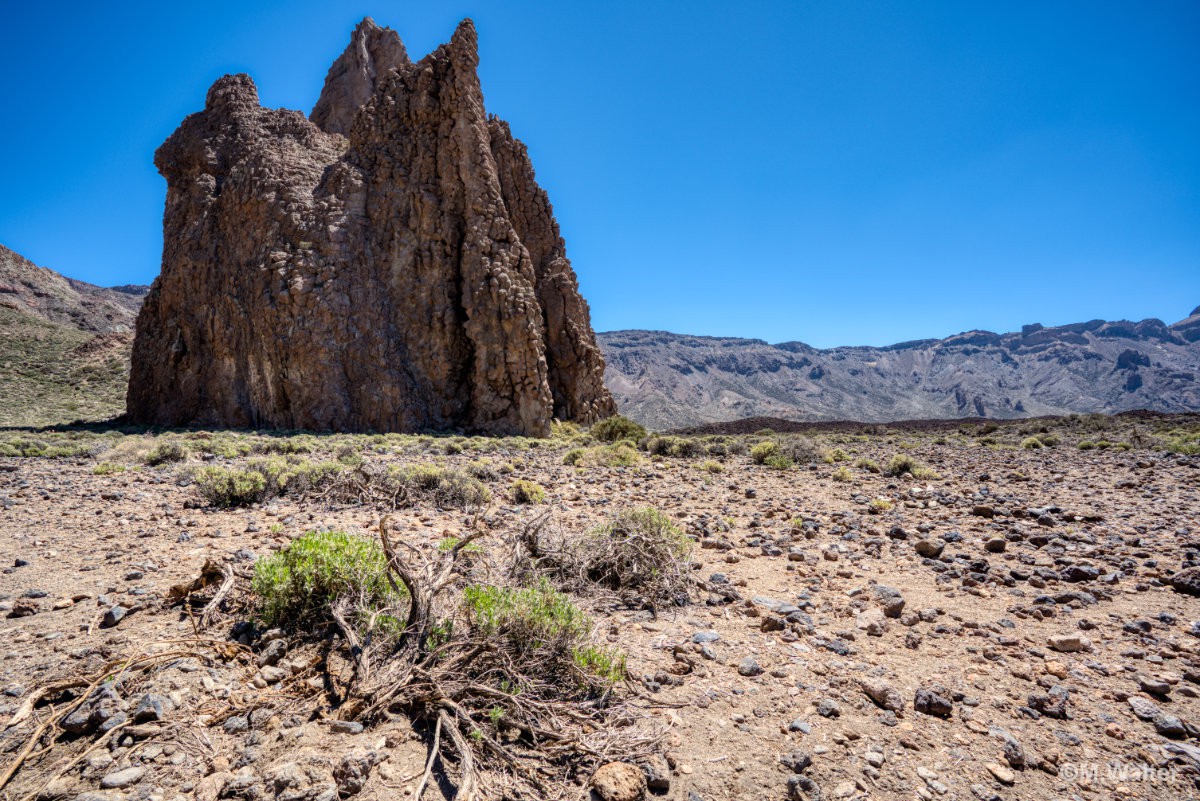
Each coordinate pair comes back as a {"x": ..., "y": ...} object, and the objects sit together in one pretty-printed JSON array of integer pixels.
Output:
[
  {"x": 390, "y": 264},
  {"x": 669, "y": 380},
  {"x": 64, "y": 344}
]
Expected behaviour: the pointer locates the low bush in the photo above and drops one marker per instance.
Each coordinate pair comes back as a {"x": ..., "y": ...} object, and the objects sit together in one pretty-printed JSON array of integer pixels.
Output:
[
  {"x": 541, "y": 625},
  {"x": 842, "y": 474},
  {"x": 639, "y": 552},
  {"x": 616, "y": 428},
  {"x": 297, "y": 587},
  {"x": 763, "y": 451},
  {"x": 868, "y": 465},
  {"x": 527, "y": 492}
]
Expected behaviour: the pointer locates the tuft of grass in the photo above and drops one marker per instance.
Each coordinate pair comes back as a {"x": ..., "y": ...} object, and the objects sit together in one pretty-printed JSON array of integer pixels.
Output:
[
  {"x": 842, "y": 474},
  {"x": 880, "y": 505},
  {"x": 619, "y": 454},
  {"x": 711, "y": 466},
  {"x": 868, "y": 465},
  {"x": 107, "y": 469},
  {"x": 297, "y": 586},
  {"x": 529, "y": 492}
]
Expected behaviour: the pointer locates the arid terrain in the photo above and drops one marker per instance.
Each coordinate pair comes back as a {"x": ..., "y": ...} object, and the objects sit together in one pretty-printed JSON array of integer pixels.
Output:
[{"x": 955, "y": 611}]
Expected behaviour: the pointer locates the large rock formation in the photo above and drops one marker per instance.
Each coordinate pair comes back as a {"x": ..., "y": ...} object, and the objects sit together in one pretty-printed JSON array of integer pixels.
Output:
[{"x": 406, "y": 275}]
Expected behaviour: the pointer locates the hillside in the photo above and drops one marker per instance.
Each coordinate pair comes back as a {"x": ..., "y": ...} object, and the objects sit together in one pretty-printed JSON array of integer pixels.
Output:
[
  {"x": 64, "y": 345},
  {"x": 669, "y": 380}
]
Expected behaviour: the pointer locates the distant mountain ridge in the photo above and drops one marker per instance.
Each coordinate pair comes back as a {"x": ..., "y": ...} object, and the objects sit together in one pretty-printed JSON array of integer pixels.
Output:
[{"x": 667, "y": 380}]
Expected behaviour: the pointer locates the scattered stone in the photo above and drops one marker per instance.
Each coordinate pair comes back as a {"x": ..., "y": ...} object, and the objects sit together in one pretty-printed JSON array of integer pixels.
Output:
[
  {"x": 933, "y": 700},
  {"x": 123, "y": 778},
  {"x": 882, "y": 694},
  {"x": 619, "y": 781}
]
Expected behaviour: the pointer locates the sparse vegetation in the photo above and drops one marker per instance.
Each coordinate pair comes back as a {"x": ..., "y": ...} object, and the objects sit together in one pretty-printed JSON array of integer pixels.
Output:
[
  {"x": 523, "y": 491},
  {"x": 616, "y": 428},
  {"x": 842, "y": 475}
]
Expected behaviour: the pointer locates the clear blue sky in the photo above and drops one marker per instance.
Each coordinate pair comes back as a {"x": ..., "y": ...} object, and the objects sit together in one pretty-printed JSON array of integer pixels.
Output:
[{"x": 836, "y": 172}]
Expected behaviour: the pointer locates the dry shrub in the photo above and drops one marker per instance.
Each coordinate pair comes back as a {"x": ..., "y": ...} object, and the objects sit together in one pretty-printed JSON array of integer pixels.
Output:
[{"x": 639, "y": 556}]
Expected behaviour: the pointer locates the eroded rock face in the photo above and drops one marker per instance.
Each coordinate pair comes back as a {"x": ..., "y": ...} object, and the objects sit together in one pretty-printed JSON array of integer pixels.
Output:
[{"x": 406, "y": 276}]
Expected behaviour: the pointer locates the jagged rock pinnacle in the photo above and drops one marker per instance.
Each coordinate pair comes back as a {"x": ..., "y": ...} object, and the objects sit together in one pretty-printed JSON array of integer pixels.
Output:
[{"x": 410, "y": 278}]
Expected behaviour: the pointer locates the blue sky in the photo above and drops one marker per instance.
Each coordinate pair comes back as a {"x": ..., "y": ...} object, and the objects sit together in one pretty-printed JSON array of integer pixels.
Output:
[{"x": 841, "y": 172}]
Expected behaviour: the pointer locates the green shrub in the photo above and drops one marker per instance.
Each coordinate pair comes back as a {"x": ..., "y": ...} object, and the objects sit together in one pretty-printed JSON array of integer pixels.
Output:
[
  {"x": 900, "y": 464},
  {"x": 1086, "y": 445},
  {"x": 842, "y": 474},
  {"x": 166, "y": 452},
  {"x": 107, "y": 469},
  {"x": 263, "y": 479},
  {"x": 672, "y": 446},
  {"x": 763, "y": 451},
  {"x": 835, "y": 455},
  {"x": 445, "y": 488},
  {"x": 616, "y": 428},
  {"x": 710, "y": 466},
  {"x": 527, "y": 492},
  {"x": 1032, "y": 444},
  {"x": 879, "y": 505},
  {"x": 779, "y": 462},
  {"x": 541, "y": 624},
  {"x": 868, "y": 465},
  {"x": 297, "y": 585},
  {"x": 223, "y": 487}
]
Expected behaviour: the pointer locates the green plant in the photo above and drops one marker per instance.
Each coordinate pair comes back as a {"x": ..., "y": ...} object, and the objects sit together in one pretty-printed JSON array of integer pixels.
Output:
[
  {"x": 297, "y": 587},
  {"x": 842, "y": 474},
  {"x": 1032, "y": 443},
  {"x": 107, "y": 469},
  {"x": 763, "y": 451},
  {"x": 541, "y": 623},
  {"x": 868, "y": 465},
  {"x": 220, "y": 486},
  {"x": 527, "y": 492},
  {"x": 616, "y": 428},
  {"x": 900, "y": 464},
  {"x": 165, "y": 452},
  {"x": 835, "y": 455},
  {"x": 1086, "y": 445},
  {"x": 711, "y": 466},
  {"x": 780, "y": 462},
  {"x": 880, "y": 505}
]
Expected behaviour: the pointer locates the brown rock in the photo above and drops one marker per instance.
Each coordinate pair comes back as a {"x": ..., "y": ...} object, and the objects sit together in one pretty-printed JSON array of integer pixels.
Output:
[
  {"x": 407, "y": 276},
  {"x": 619, "y": 781}
]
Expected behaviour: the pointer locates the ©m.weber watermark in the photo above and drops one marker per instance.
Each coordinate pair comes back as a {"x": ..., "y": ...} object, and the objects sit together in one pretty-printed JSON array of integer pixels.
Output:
[{"x": 1117, "y": 772}]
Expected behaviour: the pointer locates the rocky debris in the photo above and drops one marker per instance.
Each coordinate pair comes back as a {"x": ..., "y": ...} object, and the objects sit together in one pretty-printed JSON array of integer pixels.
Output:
[
  {"x": 121, "y": 779},
  {"x": 882, "y": 693},
  {"x": 619, "y": 781},
  {"x": 889, "y": 599},
  {"x": 934, "y": 700},
  {"x": 406, "y": 277},
  {"x": 1187, "y": 581},
  {"x": 1070, "y": 643},
  {"x": 353, "y": 770}
]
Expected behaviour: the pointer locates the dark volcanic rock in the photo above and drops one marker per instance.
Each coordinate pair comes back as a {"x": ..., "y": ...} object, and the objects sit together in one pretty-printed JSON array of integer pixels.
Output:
[{"x": 406, "y": 276}]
